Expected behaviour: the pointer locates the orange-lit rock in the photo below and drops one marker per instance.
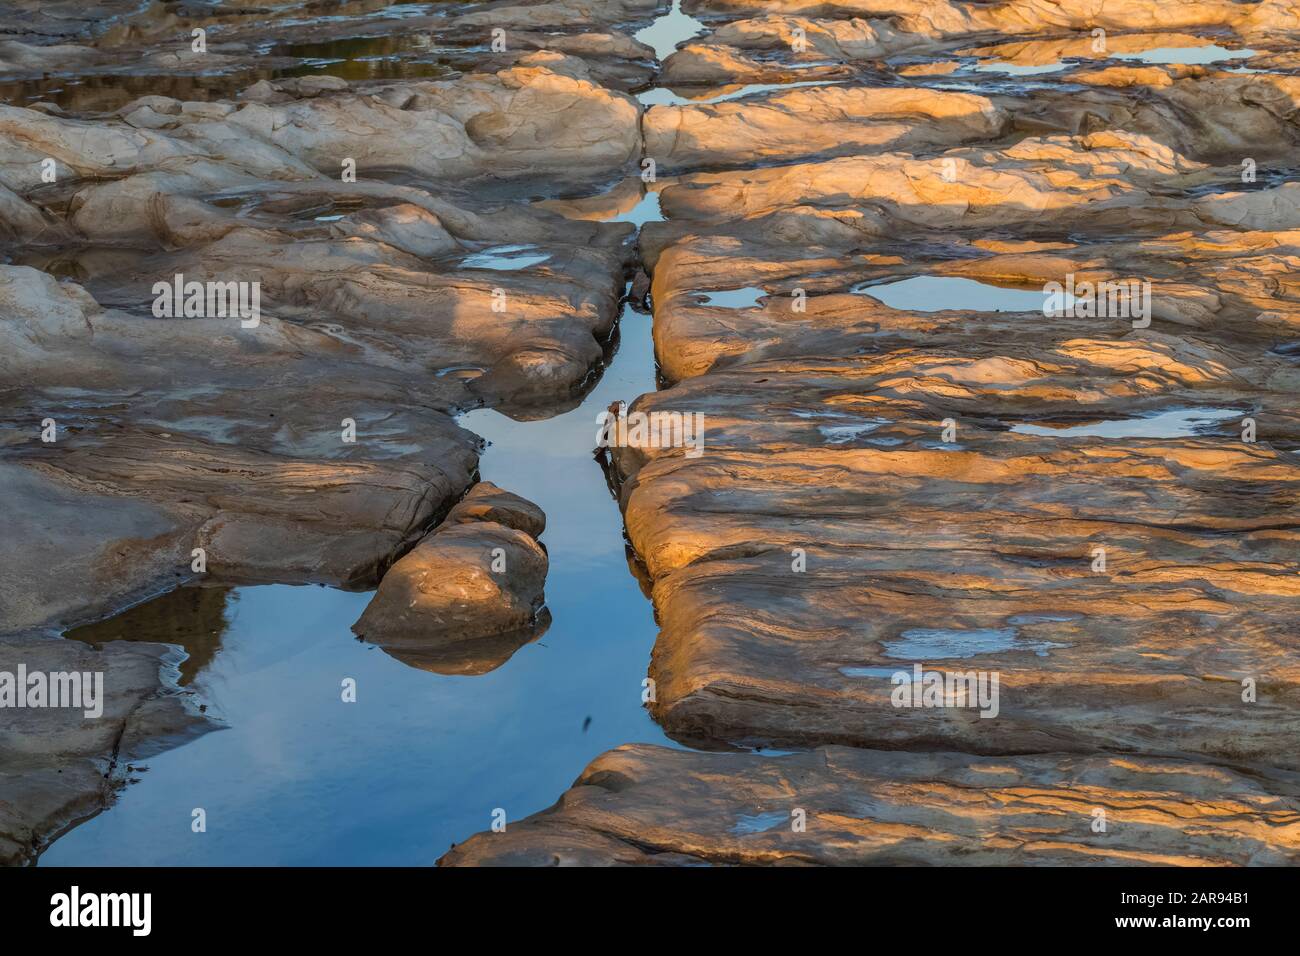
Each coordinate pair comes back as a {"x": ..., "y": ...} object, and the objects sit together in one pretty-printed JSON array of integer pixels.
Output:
[
  {"x": 471, "y": 589},
  {"x": 836, "y": 806}
]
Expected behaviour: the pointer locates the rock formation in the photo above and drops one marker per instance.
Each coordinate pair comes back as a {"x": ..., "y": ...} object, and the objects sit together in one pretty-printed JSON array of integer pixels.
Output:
[
  {"x": 1094, "y": 503},
  {"x": 471, "y": 588},
  {"x": 988, "y": 310}
]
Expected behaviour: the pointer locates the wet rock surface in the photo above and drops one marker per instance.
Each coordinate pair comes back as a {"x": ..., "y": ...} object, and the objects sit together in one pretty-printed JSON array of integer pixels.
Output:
[
  {"x": 904, "y": 459},
  {"x": 789, "y": 124}
]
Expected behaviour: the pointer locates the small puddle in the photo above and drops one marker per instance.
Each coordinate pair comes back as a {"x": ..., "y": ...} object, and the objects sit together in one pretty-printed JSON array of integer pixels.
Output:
[
  {"x": 646, "y": 210},
  {"x": 851, "y": 430},
  {"x": 1176, "y": 423},
  {"x": 394, "y": 57},
  {"x": 1026, "y": 619},
  {"x": 1191, "y": 56},
  {"x": 669, "y": 31},
  {"x": 885, "y": 672},
  {"x": 759, "y": 822},
  {"x": 925, "y": 644},
  {"x": 1015, "y": 69},
  {"x": 1265, "y": 178},
  {"x": 663, "y": 96},
  {"x": 505, "y": 258},
  {"x": 843, "y": 434},
  {"x": 746, "y": 298},
  {"x": 947, "y": 293}
]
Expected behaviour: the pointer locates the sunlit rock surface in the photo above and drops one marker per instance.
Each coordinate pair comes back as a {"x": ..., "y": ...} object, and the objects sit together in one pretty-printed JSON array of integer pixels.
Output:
[
  {"x": 832, "y": 518},
  {"x": 836, "y": 806},
  {"x": 1080, "y": 503},
  {"x": 907, "y": 463},
  {"x": 833, "y": 119},
  {"x": 470, "y": 593}
]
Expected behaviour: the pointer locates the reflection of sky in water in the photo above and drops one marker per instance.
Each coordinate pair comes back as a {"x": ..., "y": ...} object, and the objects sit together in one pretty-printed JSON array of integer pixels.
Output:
[
  {"x": 1178, "y": 423},
  {"x": 745, "y": 298},
  {"x": 1015, "y": 69},
  {"x": 646, "y": 210},
  {"x": 887, "y": 672},
  {"x": 662, "y": 96},
  {"x": 922, "y": 644},
  {"x": 1192, "y": 55},
  {"x": 940, "y": 293},
  {"x": 505, "y": 258},
  {"x": 421, "y": 760},
  {"x": 668, "y": 31},
  {"x": 759, "y": 822},
  {"x": 1211, "y": 53},
  {"x": 1207, "y": 53}
]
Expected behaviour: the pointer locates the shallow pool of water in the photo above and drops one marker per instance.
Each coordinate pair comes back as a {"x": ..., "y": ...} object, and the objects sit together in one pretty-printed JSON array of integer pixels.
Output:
[
  {"x": 663, "y": 96},
  {"x": 1016, "y": 69},
  {"x": 843, "y": 434},
  {"x": 944, "y": 293},
  {"x": 746, "y": 298},
  {"x": 927, "y": 644},
  {"x": 1210, "y": 53},
  {"x": 505, "y": 258},
  {"x": 667, "y": 32},
  {"x": 421, "y": 760},
  {"x": 1175, "y": 423},
  {"x": 759, "y": 822},
  {"x": 353, "y": 59},
  {"x": 884, "y": 672},
  {"x": 299, "y": 776}
]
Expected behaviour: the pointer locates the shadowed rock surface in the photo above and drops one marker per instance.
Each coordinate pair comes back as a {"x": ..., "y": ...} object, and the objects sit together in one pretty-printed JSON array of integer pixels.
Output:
[
  {"x": 59, "y": 766},
  {"x": 317, "y": 444},
  {"x": 384, "y": 302}
]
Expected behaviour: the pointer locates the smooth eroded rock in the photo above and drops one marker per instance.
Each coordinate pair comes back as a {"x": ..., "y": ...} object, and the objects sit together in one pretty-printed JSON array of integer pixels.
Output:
[
  {"x": 470, "y": 593},
  {"x": 648, "y": 806}
]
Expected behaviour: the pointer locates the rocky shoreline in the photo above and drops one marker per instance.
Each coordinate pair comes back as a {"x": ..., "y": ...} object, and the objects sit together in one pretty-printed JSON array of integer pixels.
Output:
[{"x": 1098, "y": 508}]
